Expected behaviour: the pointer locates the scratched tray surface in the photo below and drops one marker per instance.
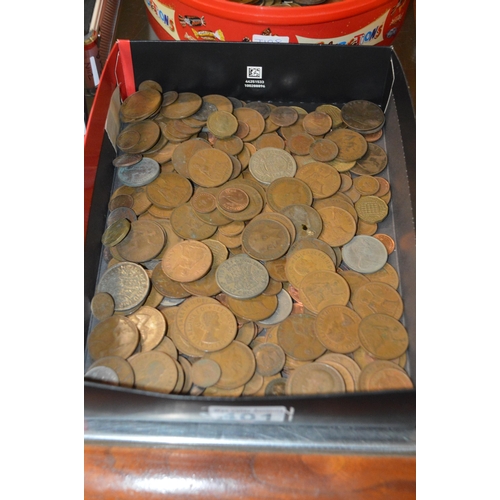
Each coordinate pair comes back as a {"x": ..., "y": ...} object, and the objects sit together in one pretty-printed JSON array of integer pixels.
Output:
[{"x": 396, "y": 224}]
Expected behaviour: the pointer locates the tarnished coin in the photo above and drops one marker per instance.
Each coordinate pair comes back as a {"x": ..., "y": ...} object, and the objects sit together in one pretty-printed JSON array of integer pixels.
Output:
[
  {"x": 363, "y": 116},
  {"x": 144, "y": 241},
  {"x": 102, "y": 305},
  {"x": 372, "y": 162},
  {"x": 364, "y": 254},
  {"x": 184, "y": 151},
  {"x": 128, "y": 284},
  {"x": 204, "y": 202},
  {"x": 139, "y": 174},
  {"x": 300, "y": 142},
  {"x": 102, "y": 374},
  {"x": 352, "y": 145},
  {"x": 339, "y": 226},
  {"x": 297, "y": 338},
  {"x": 167, "y": 346},
  {"x": 269, "y": 140},
  {"x": 337, "y": 328},
  {"x": 255, "y": 204},
  {"x": 320, "y": 289},
  {"x": 265, "y": 239},
  {"x": 210, "y": 327},
  {"x": 120, "y": 201},
  {"x": 306, "y": 220},
  {"x": 317, "y": 244},
  {"x": 344, "y": 360},
  {"x": 288, "y": 191},
  {"x": 154, "y": 371},
  {"x": 205, "y": 372},
  {"x": 115, "y": 232},
  {"x": 169, "y": 97},
  {"x": 151, "y": 324},
  {"x": 222, "y": 124},
  {"x": 120, "y": 366},
  {"x": 139, "y": 137},
  {"x": 114, "y": 336},
  {"x": 167, "y": 286},
  {"x": 269, "y": 358},
  {"x": 262, "y": 107},
  {"x": 322, "y": 179},
  {"x": 323, "y": 150},
  {"x": 187, "y": 261},
  {"x": 384, "y": 376},
  {"x": 387, "y": 275},
  {"x": 276, "y": 387},
  {"x": 269, "y": 164},
  {"x": 210, "y": 167},
  {"x": 254, "y": 385},
  {"x": 375, "y": 297},
  {"x": 186, "y": 104},
  {"x": 237, "y": 363},
  {"x": 242, "y": 277},
  {"x": 284, "y": 116},
  {"x": 305, "y": 261},
  {"x": 315, "y": 378},
  {"x": 188, "y": 224}
]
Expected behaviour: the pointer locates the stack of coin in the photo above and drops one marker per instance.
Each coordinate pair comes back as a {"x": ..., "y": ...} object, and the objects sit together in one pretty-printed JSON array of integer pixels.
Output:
[{"x": 243, "y": 254}]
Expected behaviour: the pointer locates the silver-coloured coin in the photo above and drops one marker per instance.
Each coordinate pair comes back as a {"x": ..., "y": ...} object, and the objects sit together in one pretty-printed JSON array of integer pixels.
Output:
[
  {"x": 103, "y": 374},
  {"x": 269, "y": 164},
  {"x": 140, "y": 174},
  {"x": 364, "y": 254},
  {"x": 128, "y": 284},
  {"x": 169, "y": 302},
  {"x": 242, "y": 277},
  {"x": 283, "y": 310}
]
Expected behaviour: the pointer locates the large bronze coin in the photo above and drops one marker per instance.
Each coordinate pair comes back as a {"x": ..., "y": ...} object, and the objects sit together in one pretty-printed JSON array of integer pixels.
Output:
[
  {"x": 297, "y": 338},
  {"x": 352, "y": 145},
  {"x": 306, "y": 220},
  {"x": 315, "y": 378},
  {"x": 363, "y": 116},
  {"x": 146, "y": 133},
  {"x": 169, "y": 190},
  {"x": 384, "y": 376},
  {"x": 187, "y": 224},
  {"x": 372, "y": 162},
  {"x": 253, "y": 119},
  {"x": 186, "y": 104},
  {"x": 144, "y": 241},
  {"x": 187, "y": 261},
  {"x": 270, "y": 359},
  {"x": 265, "y": 239},
  {"x": 183, "y": 153},
  {"x": 322, "y": 179},
  {"x": 284, "y": 116},
  {"x": 120, "y": 366},
  {"x": 376, "y": 297},
  {"x": 339, "y": 226},
  {"x": 115, "y": 336},
  {"x": 383, "y": 336},
  {"x": 254, "y": 309},
  {"x": 154, "y": 371},
  {"x": 317, "y": 123},
  {"x": 205, "y": 372},
  {"x": 321, "y": 289},
  {"x": 140, "y": 105},
  {"x": 210, "y": 167},
  {"x": 222, "y": 124},
  {"x": 305, "y": 261},
  {"x": 337, "y": 328},
  {"x": 288, "y": 191}
]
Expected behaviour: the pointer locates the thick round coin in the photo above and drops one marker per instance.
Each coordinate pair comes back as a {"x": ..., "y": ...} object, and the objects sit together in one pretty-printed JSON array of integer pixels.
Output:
[
  {"x": 222, "y": 124},
  {"x": 237, "y": 364},
  {"x": 205, "y": 372},
  {"x": 297, "y": 338},
  {"x": 364, "y": 254},
  {"x": 169, "y": 190},
  {"x": 140, "y": 105},
  {"x": 363, "y": 116},
  {"x": 322, "y": 179},
  {"x": 371, "y": 209},
  {"x": 269, "y": 164},
  {"x": 144, "y": 241},
  {"x": 383, "y": 336},
  {"x": 120, "y": 366},
  {"x": 210, "y": 327},
  {"x": 127, "y": 283},
  {"x": 187, "y": 261},
  {"x": 242, "y": 277},
  {"x": 288, "y": 191},
  {"x": 337, "y": 329},
  {"x": 151, "y": 324},
  {"x": 102, "y": 306},
  {"x": 270, "y": 359},
  {"x": 384, "y": 376},
  {"x": 372, "y": 162},
  {"x": 115, "y": 336},
  {"x": 339, "y": 226},
  {"x": 305, "y": 261},
  {"x": 188, "y": 224},
  {"x": 253, "y": 119},
  {"x": 320, "y": 289},
  {"x": 315, "y": 378},
  {"x": 186, "y": 104},
  {"x": 154, "y": 371},
  {"x": 284, "y": 116},
  {"x": 376, "y": 297},
  {"x": 140, "y": 174},
  {"x": 265, "y": 239},
  {"x": 210, "y": 167}
]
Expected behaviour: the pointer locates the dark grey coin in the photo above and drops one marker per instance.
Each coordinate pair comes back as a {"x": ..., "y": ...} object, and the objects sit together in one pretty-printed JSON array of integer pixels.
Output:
[
  {"x": 372, "y": 162},
  {"x": 306, "y": 220},
  {"x": 263, "y": 108},
  {"x": 207, "y": 108},
  {"x": 140, "y": 174},
  {"x": 237, "y": 103},
  {"x": 363, "y": 116},
  {"x": 121, "y": 213}
]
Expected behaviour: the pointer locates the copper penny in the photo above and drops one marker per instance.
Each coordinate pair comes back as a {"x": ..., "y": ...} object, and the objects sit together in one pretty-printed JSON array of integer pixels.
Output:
[
  {"x": 337, "y": 328},
  {"x": 205, "y": 372},
  {"x": 186, "y": 104},
  {"x": 383, "y": 376},
  {"x": 320, "y": 289},
  {"x": 269, "y": 358},
  {"x": 387, "y": 241},
  {"x": 187, "y": 261},
  {"x": 253, "y": 119},
  {"x": 265, "y": 239},
  {"x": 233, "y": 199},
  {"x": 300, "y": 143},
  {"x": 166, "y": 286},
  {"x": 284, "y": 116},
  {"x": 315, "y": 378},
  {"x": 297, "y": 338},
  {"x": 204, "y": 202},
  {"x": 288, "y": 191},
  {"x": 102, "y": 306},
  {"x": 169, "y": 190},
  {"x": 154, "y": 371},
  {"x": 144, "y": 241},
  {"x": 317, "y": 123},
  {"x": 254, "y": 309},
  {"x": 376, "y": 297},
  {"x": 210, "y": 167},
  {"x": 304, "y": 261},
  {"x": 352, "y": 145}
]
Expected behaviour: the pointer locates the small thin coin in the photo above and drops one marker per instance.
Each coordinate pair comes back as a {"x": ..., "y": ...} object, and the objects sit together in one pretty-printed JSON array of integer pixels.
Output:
[{"x": 387, "y": 241}]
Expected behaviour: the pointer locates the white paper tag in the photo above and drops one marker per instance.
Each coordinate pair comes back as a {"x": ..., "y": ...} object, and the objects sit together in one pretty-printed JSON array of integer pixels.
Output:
[
  {"x": 251, "y": 413},
  {"x": 270, "y": 39}
]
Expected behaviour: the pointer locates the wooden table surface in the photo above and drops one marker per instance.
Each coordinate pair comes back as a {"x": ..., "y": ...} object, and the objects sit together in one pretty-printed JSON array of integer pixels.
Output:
[{"x": 122, "y": 472}]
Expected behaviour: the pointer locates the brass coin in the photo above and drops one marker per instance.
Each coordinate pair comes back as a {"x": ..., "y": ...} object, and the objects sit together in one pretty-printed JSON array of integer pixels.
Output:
[
  {"x": 154, "y": 371},
  {"x": 237, "y": 363},
  {"x": 315, "y": 378},
  {"x": 387, "y": 241},
  {"x": 205, "y": 372},
  {"x": 128, "y": 284},
  {"x": 269, "y": 164},
  {"x": 384, "y": 376},
  {"x": 102, "y": 306},
  {"x": 284, "y": 116},
  {"x": 151, "y": 325},
  {"x": 253, "y": 309},
  {"x": 363, "y": 116},
  {"x": 320, "y": 289},
  {"x": 144, "y": 241},
  {"x": 334, "y": 112},
  {"x": 323, "y": 150},
  {"x": 114, "y": 336},
  {"x": 352, "y": 145},
  {"x": 372, "y": 162},
  {"x": 210, "y": 327},
  {"x": 222, "y": 124},
  {"x": 169, "y": 190},
  {"x": 304, "y": 261},
  {"x": 120, "y": 366},
  {"x": 140, "y": 105},
  {"x": 306, "y": 220},
  {"x": 339, "y": 227},
  {"x": 187, "y": 224},
  {"x": 376, "y": 297},
  {"x": 322, "y": 179},
  {"x": 337, "y": 328},
  {"x": 288, "y": 191},
  {"x": 187, "y": 261},
  {"x": 210, "y": 167},
  {"x": 265, "y": 239},
  {"x": 242, "y": 277},
  {"x": 253, "y": 119},
  {"x": 300, "y": 143},
  {"x": 371, "y": 209},
  {"x": 317, "y": 123},
  {"x": 269, "y": 358},
  {"x": 186, "y": 104},
  {"x": 233, "y": 199},
  {"x": 297, "y": 338}
]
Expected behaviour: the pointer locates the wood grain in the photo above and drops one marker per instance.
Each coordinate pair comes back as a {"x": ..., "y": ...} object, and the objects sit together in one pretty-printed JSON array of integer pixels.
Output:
[{"x": 124, "y": 472}]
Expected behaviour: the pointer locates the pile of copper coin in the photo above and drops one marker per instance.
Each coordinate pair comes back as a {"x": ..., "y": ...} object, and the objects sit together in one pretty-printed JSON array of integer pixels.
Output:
[{"x": 242, "y": 253}]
